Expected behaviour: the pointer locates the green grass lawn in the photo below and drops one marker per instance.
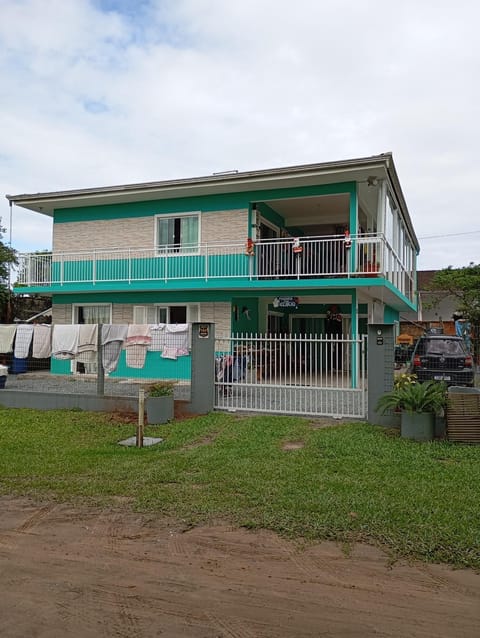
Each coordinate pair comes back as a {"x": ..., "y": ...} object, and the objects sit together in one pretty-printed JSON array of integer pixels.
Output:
[{"x": 349, "y": 482}]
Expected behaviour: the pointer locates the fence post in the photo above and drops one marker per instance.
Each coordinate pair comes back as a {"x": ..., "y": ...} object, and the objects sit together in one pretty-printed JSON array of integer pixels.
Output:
[
  {"x": 380, "y": 369},
  {"x": 100, "y": 370},
  {"x": 203, "y": 368},
  {"x": 141, "y": 417}
]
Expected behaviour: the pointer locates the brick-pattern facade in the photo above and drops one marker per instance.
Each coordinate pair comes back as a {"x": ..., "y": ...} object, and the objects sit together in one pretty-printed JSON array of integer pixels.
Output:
[
  {"x": 61, "y": 313},
  {"x": 219, "y": 314},
  {"x": 139, "y": 232},
  {"x": 212, "y": 312},
  {"x": 231, "y": 225}
]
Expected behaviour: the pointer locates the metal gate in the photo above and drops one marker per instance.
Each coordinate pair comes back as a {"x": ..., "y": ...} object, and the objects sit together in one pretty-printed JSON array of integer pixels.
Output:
[{"x": 291, "y": 374}]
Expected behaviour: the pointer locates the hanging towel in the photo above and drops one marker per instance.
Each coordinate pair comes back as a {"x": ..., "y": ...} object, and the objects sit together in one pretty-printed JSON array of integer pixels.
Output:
[
  {"x": 42, "y": 341},
  {"x": 23, "y": 339},
  {"x": 65, "y": 341},
  {"x": 113, "y": 336},
  {"x": 138, "y": 338},
  {"x": 7, "y": 334},
  {"x": 177, "y": 337},
  {"x": 138, "y": 335},
  {"x": 169, "y": 352},
  {"x": 87, "y": 342},
  {"x": 157, "y": 332},
  {"x": 135, "y": 356}
]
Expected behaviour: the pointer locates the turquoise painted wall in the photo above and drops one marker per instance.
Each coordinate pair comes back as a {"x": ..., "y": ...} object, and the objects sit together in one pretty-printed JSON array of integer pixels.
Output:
[
  {"x": 144, "y": 270},
  {"x": 155, "y": 368},
  {"x": 187, "y": 204},
  {"x": 390, "y": 315},
  {"x": 244, "y": 314}
]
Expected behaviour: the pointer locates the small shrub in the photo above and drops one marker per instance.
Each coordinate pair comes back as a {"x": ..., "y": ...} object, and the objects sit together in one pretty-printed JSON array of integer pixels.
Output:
[
  {"x": 430, "y": 396},
  {"x": 404, "y": 379},
  {"x": 160, "y": 389}
]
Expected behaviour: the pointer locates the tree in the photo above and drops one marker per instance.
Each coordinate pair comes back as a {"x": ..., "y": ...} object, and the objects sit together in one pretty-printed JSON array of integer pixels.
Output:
[
  {"x": 463, "y": 284},
  {"x": 8, "y": 258}
]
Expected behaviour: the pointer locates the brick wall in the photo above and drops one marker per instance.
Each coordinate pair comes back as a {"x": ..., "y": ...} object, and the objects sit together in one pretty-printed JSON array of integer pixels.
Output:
[
  {"x": 139, "y": 232},
  {"x": 215, "y": 312},
  {"x": 62, "y": 313},
  {"x": 231, "y": 225},
  {"x": 219, "y": 314}
]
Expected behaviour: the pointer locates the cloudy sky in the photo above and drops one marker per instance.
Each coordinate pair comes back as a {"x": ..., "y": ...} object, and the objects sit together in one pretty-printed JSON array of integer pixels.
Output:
[{"x": 103, "y": 92}]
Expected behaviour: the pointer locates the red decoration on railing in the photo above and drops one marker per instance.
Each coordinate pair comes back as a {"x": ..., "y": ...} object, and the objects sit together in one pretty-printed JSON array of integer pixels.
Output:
[
  {"x": 297, "y": 247},
  {"x": 347, "y": 239},
  {"x": 250, "y": 247}
]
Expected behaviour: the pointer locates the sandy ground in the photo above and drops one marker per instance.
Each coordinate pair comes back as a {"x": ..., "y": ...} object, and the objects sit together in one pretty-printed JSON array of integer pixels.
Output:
[{"x": 83, "y": 573}]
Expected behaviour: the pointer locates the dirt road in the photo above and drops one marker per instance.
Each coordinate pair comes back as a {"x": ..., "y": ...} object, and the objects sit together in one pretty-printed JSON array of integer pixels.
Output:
[{"x": 84, "y": 573}]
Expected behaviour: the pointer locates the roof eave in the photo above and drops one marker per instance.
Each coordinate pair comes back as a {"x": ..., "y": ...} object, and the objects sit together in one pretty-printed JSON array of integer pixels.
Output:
[{"x": 34, "y": 200}]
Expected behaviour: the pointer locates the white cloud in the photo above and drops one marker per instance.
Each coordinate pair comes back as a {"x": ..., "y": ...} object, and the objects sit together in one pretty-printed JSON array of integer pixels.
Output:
[{"x": 106, "y": 92}]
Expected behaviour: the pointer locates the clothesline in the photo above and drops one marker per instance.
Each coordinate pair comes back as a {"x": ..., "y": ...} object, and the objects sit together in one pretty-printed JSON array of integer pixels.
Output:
[{"x": 80, "y": 342}]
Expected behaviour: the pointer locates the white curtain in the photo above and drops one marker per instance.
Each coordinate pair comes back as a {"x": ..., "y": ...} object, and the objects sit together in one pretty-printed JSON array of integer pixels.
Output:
[{"x": 96, "y": 314}]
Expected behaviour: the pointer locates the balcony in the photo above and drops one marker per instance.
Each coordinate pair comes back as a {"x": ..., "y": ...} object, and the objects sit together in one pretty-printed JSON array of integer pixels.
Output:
[{"x": 221, "y": 263}]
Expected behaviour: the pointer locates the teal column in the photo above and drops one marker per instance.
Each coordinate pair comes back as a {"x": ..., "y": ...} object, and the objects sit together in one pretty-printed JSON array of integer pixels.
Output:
[{"x": 353, "y": 226}]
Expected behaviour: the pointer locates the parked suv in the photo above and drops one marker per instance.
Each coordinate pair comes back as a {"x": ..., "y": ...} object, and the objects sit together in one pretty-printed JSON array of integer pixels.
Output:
[{"x": 442, "y": 358}]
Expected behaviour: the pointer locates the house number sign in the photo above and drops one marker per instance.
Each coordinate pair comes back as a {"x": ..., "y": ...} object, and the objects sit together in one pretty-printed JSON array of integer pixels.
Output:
[{"x": 203, "y": 331}]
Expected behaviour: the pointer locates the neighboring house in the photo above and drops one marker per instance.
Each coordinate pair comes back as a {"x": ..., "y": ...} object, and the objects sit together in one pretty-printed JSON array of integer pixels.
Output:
[
  {"x": 434, "y": 310},
  {"x": 279, "y": 251}
]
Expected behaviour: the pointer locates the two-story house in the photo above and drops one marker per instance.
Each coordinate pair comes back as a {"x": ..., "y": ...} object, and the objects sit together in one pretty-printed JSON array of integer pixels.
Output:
[{"x": 277, "y": 251}]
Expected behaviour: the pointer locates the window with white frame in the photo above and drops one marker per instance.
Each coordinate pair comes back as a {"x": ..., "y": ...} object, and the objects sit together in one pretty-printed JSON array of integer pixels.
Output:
[
  {"x": 175, "y": 313},
  {"x": 179, "y": 233},
  {"x": 92, "y": 313}
]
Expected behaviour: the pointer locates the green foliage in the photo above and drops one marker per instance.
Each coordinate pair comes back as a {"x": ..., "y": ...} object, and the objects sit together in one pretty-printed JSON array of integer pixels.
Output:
[
  {"x": 160, "y": 389},
  {"x": 430, "y": 396},
  {"x": 7, "y": 258},
  {"x": 349, "y": 482},
  {"x": 404, "y": 379},
  {"x": 464, "y": 285}
]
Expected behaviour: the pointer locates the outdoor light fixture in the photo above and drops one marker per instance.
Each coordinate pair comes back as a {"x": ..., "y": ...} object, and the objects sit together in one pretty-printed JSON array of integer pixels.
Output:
[{"x": 372, "y": 180}]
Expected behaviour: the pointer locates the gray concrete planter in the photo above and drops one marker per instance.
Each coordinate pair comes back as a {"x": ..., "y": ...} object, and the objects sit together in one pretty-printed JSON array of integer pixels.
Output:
[
  {"x": 419, "y": 426},
  {"x": 159, "y": 409}
]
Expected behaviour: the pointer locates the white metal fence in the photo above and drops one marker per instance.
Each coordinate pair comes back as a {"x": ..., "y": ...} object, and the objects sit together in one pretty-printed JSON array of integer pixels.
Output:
[
  {"x": 316, "y": 375},
  {"x": 363, "y": 255}
]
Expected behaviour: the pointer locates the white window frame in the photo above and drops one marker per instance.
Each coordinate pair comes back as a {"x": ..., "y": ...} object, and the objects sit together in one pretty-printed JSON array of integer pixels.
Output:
[
  {"x": 76, "y": 306},
  {"x": 173, "y": 252},
  {"x": 155, "y": 307}
]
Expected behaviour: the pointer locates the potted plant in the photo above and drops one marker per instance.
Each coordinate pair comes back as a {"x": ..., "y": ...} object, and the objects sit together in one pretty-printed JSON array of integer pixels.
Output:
[
  {"x": 159, "y": 402},
  {"x": 418, "y": 404}
]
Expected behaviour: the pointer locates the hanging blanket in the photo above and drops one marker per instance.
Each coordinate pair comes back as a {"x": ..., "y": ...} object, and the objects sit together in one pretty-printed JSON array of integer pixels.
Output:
[
  {"x": 177, "y": 337},
  {"x": 136, "y": 343},
  {"x": 87, "y": 342},
  {"x": 7, "y": 334},
  {"x": 65, "y": 341},
  {"x": 113, "y": 336},
  {"x": 157, "y": 332},
  {"x": 23, "y": 339},
  {"x": 42, "y": 341}
]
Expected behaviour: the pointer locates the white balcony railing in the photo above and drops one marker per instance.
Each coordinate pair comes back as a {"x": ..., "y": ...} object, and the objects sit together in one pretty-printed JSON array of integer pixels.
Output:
[{"x": 310, "y": 257}]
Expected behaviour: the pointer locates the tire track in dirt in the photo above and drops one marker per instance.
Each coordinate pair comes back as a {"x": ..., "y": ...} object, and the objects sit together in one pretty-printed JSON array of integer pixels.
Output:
[
  {"x": 8, "y": 540},
  {"x": 127, "y": 624},
  {"x": 35, "y": 519},
  {"x": 303, "y": 564},
  {"x": 230, "y": 628},
  {"x": 438, "y": 582},
  {"x": 111, "y": 611},
  {"x": 178, "y": 547}
]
